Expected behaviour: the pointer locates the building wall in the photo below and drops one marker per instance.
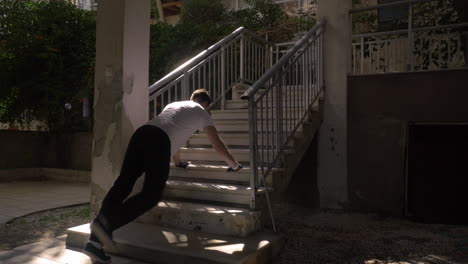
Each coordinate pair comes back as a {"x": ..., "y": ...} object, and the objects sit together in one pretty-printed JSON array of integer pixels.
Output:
[
  {"x": 36, "y": 149},
  {"x": 379, "y": 110}
]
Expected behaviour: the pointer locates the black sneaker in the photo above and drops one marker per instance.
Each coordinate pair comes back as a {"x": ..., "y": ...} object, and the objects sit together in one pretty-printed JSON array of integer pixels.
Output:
[
  {"x": 96, "y": 254},
  {"x": 104, "y": 236}
]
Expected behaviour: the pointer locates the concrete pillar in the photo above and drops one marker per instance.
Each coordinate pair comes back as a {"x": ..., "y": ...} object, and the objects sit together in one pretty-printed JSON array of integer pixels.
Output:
[
  {"x": 332, "y": 156},
  {"x": 121, "y": 87}
]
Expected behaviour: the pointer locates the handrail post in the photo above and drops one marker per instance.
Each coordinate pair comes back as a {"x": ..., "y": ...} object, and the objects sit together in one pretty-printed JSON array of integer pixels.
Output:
[
  {"x": 242, "y": 59},
  {"x": 253, "y": 152},
  {"x": 223, "y": 77}
]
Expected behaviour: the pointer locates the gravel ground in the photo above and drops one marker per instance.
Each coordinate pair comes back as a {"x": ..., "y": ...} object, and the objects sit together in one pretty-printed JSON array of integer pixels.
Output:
[
  {"x": 311, "y": 236},
  {"x": 339, "y": 237},
  {"x": 42, "y": 225}
]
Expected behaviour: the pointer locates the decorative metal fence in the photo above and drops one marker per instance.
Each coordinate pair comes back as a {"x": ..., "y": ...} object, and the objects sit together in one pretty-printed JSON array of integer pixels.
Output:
[{"x": 410, "y": 49}]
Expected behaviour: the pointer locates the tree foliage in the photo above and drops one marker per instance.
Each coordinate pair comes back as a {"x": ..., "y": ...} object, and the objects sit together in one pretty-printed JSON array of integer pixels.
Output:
[
  {"x": 47, "y": 51},
  {"x": 46, "y": 62},
  {"x": 203, "y": 22}
]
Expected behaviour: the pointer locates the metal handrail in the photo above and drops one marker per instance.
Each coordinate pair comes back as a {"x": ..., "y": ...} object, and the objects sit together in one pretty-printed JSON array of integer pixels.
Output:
[
  {"x": 201, "y": 56},
  {"x": 284, "y": 59},
  {"x": 289, "y": 89}
]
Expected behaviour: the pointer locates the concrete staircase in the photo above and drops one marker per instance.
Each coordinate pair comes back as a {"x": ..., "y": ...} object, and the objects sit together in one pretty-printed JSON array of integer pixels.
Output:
[{"x": 206, "y": 203}]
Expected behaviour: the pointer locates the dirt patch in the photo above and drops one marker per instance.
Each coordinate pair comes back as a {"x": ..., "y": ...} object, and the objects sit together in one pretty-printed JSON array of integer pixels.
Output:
[
  {"x": 42, "y": 225},
  {"x": 340, "y": 237}
]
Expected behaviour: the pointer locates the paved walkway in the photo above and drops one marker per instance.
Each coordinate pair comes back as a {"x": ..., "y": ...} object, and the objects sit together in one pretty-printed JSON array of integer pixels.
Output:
[
  {"x": 51, "y": 251},
  {"x": 26, "y": 197}
]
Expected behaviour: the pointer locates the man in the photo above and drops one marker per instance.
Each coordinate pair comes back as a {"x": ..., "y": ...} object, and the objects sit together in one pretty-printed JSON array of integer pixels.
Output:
[{"x": 149, "y": 152}]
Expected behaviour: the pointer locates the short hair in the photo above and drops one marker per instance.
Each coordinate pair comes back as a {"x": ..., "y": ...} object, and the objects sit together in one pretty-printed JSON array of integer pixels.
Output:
[{"x": 200, "y": 96}]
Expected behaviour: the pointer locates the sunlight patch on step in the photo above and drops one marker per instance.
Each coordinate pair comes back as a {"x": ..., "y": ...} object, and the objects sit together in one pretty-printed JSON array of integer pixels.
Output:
[
  {"x": 212, "y": 210},
  {"x": 177, "y": 240},
  {"x": 232, "y": 248}
]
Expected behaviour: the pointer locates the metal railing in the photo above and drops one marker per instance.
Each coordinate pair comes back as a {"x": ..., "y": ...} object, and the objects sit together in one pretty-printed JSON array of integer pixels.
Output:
[
  {"x": 409, "y": 49},
  {"x": 239, "y": 57},
  {"x": 280, "y": 101}
]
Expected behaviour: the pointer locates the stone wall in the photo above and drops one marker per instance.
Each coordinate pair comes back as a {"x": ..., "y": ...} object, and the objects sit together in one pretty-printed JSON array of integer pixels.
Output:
[
  {"x": 380, "y": 107},
  {"x": 22, "y": 150}
]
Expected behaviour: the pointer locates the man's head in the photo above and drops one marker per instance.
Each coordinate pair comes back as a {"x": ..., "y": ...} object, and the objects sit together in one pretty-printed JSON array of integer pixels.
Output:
[{"x": 202, "y": 97}]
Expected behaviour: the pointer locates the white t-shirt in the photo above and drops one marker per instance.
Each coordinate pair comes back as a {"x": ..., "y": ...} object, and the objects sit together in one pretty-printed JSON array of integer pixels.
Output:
[{"x": 179, "y": 120}]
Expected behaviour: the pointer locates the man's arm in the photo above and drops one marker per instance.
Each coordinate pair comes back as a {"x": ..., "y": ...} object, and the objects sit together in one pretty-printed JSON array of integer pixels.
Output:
[{"x": 219, "y": 146}]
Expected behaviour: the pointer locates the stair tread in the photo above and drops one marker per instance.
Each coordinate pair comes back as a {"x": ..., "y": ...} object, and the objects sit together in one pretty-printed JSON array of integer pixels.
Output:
[
  {"x": 209, "y": 209},
  {"x": 170, "y": 245},
  {"x": 208, "y": 186},
  {"x": 212, "y": 167},
  {"x": 212, "y": 150}
]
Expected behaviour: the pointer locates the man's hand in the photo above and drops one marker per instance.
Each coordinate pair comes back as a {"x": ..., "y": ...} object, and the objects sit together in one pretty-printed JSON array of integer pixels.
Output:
[
  {"x": 236, "y": 168},
  {"x": 178, "y": 163},
  {"x": 219, "y": 146}
]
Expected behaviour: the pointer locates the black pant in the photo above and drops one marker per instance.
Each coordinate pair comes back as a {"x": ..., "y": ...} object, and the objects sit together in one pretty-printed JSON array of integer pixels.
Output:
[{"x": 148, "y": 151}]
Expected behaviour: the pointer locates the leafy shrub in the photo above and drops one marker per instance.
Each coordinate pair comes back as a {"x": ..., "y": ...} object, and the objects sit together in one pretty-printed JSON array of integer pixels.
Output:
[{"x": 47, "y": 52}]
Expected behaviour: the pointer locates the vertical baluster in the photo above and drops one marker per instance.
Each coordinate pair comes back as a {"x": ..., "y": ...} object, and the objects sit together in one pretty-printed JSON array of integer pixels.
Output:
[
  {"x": 378, "y": 55},
  {"x": 242, "y": 57},
  {"x": 262, "y": 131},
  {"x": 268, "y": 129},
  {"x": 210, "y": 74},
  {"x": 386, "y": 55},
  {"x": 198, "y": 78},
  {"x": 250, "y": 71},
  {"x": 449, "y": 55},
  {"x": 223, "y": 76},
  {"x": 155, "y": 109},
  {"x": 362, "y": 55},
  {"x": 169, "y": 95},
  {"x": 279, "y": 111},
  {"x": 236, "y": 64},
  {"x": 204, "y": 76},
  {"x": 410, "y": 38},
  {"x": 354, "y": 58}
]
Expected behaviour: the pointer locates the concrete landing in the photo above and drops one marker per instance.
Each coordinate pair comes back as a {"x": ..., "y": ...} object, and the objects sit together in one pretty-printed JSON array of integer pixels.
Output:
[
  {"x": 155, "y": 244},
  {"x": 25, "y": 197},
  {"x": 51, "y": 251}
]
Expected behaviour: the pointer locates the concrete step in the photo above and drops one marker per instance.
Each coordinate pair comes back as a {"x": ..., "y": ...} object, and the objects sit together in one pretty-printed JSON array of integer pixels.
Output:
[
  {"x": 211, "y": 172},
  {"x": 243, "y": 125},
  {"x": 208, "y": 154},
  {"x": 243, "y": 104},
  {"x": 216, "y": 219},
  {"x": 243, "y": 114},
  {"x": 206, "y": 191},
  {"x": 240, "y": 89},
  {"x": 229, "y": 139},
  {"x": 163, "y": 245}
]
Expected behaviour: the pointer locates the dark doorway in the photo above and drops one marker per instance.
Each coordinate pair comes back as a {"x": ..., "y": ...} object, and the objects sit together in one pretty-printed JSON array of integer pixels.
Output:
[{"x": 437, "y": 173}]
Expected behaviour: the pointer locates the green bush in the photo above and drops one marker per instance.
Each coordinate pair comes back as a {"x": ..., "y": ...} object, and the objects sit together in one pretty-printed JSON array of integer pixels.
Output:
[{"x": 47, "y": 52}]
